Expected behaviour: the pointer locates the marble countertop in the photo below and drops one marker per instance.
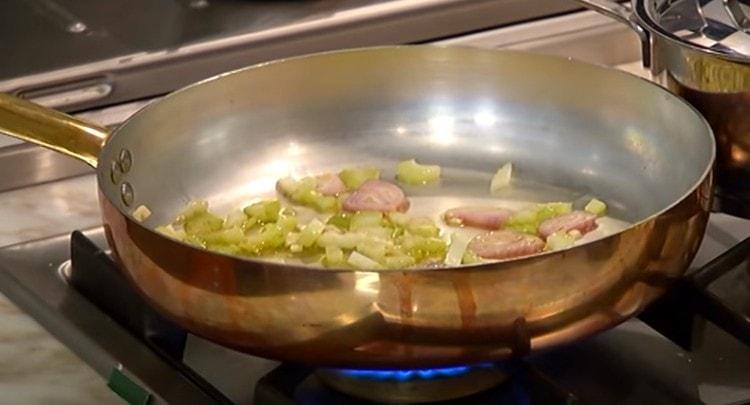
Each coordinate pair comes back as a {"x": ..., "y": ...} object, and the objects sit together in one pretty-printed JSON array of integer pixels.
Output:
[{"x": 36, "y": 368}]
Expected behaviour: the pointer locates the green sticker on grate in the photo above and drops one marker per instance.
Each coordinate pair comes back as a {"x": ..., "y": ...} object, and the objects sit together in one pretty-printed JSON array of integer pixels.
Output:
[{"x": 127, "y": 389}]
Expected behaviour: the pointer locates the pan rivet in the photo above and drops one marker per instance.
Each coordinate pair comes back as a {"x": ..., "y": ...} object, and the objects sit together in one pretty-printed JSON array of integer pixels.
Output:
[
  {"x": 125, "y": 160},
  {"x": 126, "y": 193},
  {"x": 115, "y": 174}
]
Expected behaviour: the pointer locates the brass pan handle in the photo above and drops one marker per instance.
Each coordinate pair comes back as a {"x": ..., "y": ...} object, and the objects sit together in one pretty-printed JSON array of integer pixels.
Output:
[{"x": 52, "y": 129}]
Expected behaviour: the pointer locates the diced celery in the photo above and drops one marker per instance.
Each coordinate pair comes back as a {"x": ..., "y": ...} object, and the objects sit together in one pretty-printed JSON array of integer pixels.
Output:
[
  {"x": 560, "y": 240},
  {"x": 397, "y": 232},
  {"x": 457, "y": 249},
  {"x": 365, "y": 219},
  {"x": 228, "y": 249},
  {"x": 501, "y": 179},
  {"x": 470, "y": 258},
  {"x": 378, "y": 232},
  {"x": 286, "y": 186},
  {"x": 324, "y": 203},
  {"x": 225, "y": 237},
  {"x": 202, "y": 223},
  {"x": 525, "y": 221},
  {"x": 292, "y": 242},
  {"x": 553, "y": 209},
  {"x": 264, "y": 211},
  {"x": 273, "y": 236},
  {"x": 420, "y": 247},
  {"x": 347, "y": 240},
  {"x": 334, "y": 256},
  {"x": 398, "y": 218},
  {"x": 399, "y": 262},
  {"x": 423, "y": 226},
  {"x": 372, "y": 248},
  {"x": 194, "y": 240},
  {"x": 235, "y": 219},
  {"x": 596, "y": 207},
  {"x": 360, "y": 261},
  {"x": 355, "y": 177},
  {"x": 528, "y": 220},
  {"x": 192, "y": 209},
  {"x": 310, "y": 233},
  {"x": 306, "y": 184},
  {"x": 287, "y": 223},
  {"x": 250, "y": 223},
  {"x": 341, "y": 220},
  {"x": 268, "y": 237},
  {"x": 411, "y": 172}
]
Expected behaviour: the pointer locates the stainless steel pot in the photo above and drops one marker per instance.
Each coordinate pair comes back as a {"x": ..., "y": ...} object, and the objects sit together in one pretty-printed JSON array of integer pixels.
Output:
[{"x": 700, "y": 51}]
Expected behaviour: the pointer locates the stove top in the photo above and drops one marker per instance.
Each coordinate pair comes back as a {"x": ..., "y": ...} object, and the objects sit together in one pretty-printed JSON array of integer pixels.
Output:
[
  {"x": 69, "y": 284},
  {"x": 79, "y": 54}
]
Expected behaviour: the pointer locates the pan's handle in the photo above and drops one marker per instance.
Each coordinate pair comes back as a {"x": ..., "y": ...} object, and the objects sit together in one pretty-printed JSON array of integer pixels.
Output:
[
  {"x": 624, "y": 14},
  {"x": 51, "y": 129}
]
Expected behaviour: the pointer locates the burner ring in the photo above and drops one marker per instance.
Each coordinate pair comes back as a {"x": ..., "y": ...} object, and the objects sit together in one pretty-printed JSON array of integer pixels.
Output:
[{"x": 413, "y": 386}]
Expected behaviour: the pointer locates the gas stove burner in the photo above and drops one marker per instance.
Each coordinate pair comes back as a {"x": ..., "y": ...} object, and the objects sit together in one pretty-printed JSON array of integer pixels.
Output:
[{"x": 413, "y": 386}]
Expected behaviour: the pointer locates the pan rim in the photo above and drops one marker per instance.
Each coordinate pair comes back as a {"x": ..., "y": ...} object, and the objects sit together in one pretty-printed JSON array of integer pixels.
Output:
[{"x": 493, "y": 265}]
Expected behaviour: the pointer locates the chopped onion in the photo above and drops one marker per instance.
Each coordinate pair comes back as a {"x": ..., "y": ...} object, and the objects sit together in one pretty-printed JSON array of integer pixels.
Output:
[
  {"x": 363, "y": 262},
  {"x": 141, "y": 213},
  {"x": 560, "y": 240},
  {"x": 234, "y": 218},
  {"x": 501, "y": 179},
  {"x": 310, "y": 233},
  {"x": 168, "y": 230},
  {"x": 455, "y": 255}
]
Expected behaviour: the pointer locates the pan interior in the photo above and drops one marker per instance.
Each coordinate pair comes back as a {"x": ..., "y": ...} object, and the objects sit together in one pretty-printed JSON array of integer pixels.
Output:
[{"x": 571, "y": 130}]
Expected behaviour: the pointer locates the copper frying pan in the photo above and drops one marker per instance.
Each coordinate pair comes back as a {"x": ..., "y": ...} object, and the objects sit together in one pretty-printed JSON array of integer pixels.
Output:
[{"x": 586, "y": 130}]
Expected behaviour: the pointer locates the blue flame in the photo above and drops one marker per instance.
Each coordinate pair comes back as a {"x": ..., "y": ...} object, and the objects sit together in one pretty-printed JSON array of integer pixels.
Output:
[{"x": 409, "y": 375}]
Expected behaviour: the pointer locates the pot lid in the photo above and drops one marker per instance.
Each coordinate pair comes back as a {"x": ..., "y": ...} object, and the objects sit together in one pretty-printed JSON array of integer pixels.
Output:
[{"x": 721, "y": 26}]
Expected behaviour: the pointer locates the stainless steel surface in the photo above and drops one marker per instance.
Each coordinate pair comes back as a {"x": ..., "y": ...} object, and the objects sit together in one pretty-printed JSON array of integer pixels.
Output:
[
  {"x": 642, "y": 366},
  {"x": 586, "y": 36},
  {"x": 23, "y": 164},
  {"x": 621, "y": 152},
  {"x": 123, "y": 50},
  {"x": 717, "y": 83},
  {"x": 583, "y": 35}
]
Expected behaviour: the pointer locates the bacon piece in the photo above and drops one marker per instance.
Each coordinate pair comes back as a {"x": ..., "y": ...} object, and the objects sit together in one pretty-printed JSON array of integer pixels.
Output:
[
  {"x": 377, "y": 195},
  {"x": 581, "y": 221},
  {"x": 479, "y": 217},
  {"x": 505, "y": 244}
]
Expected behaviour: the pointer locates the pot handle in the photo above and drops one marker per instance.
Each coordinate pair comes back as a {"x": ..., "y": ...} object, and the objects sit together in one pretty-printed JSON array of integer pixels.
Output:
[
  {"x": 624, "y": 14},
  {"x": 52, "y": 129}
]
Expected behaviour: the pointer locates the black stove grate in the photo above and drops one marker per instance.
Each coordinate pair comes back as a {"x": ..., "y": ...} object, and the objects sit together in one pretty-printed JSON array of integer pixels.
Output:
[
  {"x": 678, "y": 315},
  {"x": 95, "y": 275}
]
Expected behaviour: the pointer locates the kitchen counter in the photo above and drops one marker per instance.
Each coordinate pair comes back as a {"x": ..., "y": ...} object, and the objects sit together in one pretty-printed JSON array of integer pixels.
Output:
[{"x": 35, "y": 368}]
